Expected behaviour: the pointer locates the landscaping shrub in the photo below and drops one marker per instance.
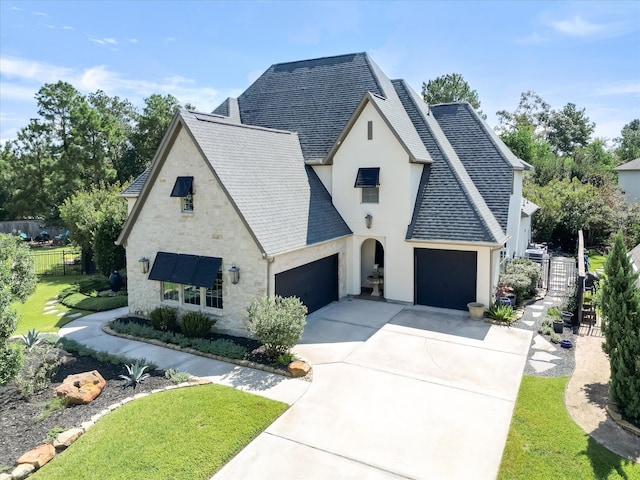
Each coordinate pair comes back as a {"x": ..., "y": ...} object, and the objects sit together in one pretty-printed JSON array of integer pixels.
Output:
[
  {"x": 277, "y": 322},
  {"x": 518, "y": 282},
  {"x": 163, "y": 318},
  {"x": 40, "y": 366},
  {"x": 196, "y": 324},
  {"x": 501, "y": 313},
  {"x": 528, "y": 268}
]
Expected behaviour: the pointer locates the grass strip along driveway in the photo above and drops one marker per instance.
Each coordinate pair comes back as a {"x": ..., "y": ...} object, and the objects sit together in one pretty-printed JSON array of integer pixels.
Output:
[
  {"x": 182, "y": 433},
  {"x": 544, "y": 442}
]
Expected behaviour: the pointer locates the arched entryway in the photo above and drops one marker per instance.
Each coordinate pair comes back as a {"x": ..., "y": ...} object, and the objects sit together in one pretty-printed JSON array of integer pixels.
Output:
[{"x": 372, "y": 265}]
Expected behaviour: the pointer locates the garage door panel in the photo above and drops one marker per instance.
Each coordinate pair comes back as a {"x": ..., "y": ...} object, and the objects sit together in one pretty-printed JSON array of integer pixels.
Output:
[
  {"x": 315, "y": 283},
  {"x": 445, "y": 278}
]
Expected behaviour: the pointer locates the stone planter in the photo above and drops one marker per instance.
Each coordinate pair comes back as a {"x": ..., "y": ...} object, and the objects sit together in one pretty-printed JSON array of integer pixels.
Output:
[
  {"x": 476, "y": 310},
  {"x": 567, "y": 317}
]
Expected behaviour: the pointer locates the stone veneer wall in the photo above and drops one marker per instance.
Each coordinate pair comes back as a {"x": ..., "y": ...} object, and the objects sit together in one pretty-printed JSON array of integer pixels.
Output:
[{"x": 213, "y": 229}]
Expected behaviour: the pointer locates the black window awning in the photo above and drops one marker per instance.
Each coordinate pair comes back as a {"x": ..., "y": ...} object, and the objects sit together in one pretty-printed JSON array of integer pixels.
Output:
[
  {"x": 182, "y": 187},
  {"x": 194, "y": 270},
  {"x": 368, "y": 177}
]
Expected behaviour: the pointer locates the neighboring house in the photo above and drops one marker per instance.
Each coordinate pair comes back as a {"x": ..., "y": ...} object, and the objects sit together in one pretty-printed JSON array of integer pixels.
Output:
[
  {"x": 629, "y": 180},
  {"x": 320, "y": 170}
]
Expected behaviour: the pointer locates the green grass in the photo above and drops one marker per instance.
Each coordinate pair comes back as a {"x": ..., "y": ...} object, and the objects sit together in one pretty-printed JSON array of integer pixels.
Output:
[
  {"x": 32, "y": 312},
  {"x": 596, "y": 261},
  {"x": 545, "y": 443},
  {"x": 183, "y": 433},
  {"x": 94, "y": 304}
]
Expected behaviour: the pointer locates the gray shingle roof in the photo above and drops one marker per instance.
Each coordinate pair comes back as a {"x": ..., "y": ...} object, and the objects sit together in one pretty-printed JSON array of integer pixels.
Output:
[
  {"x": 134, "y": 189},
  {"x": 314, "y": 98},
  {"x": 281, "y": 199},
  {"x": 632, "y": 165},
  {"x": 448, "y": 206},
  {"x": 490, "y": 170}
]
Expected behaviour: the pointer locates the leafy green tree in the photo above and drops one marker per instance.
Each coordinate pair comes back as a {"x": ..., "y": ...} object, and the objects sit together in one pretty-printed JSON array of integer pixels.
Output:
[
  {"x": 109, "y": 256},
  {"x": 17, "y": 282},
  {"x": 147, "y": 135},
  {"x": 568, "y": 129},
  {"x": 448, "y": 88},
  {"x": 621, "y": 308},
  {"x": 92, "y": 216},
  {"x": 629, "y": 142},
  {"x": 532, "y": 111}
]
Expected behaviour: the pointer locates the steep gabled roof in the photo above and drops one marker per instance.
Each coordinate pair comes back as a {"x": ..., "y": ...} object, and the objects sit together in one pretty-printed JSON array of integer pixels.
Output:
[
  {"x": 283, "y": 204},
  {"x": 314, "y": 98},
  {"x": 449, "y": 207}
]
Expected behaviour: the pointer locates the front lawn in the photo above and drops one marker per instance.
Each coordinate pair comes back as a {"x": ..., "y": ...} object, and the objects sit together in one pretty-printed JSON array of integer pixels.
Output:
[
  {"x": 32, "y": 312},
  {"x": 544, "y": 442},
  {"x": 183, "y": 433}
]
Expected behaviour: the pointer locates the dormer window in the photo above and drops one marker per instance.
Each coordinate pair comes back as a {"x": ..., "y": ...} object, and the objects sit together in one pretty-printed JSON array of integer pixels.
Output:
[
  {"x": 368, "y": 180},
  {"x": 183, "y": 188}
]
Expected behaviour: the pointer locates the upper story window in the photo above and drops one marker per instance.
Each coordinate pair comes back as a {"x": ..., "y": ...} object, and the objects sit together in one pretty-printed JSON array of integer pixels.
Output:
[
  {"x": 368, "y": 180},
  {"x": 183, "y": 188}
]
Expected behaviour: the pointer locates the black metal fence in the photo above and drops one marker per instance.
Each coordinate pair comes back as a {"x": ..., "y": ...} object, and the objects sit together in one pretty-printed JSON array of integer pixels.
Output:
[{"x": 57, "y": 262}]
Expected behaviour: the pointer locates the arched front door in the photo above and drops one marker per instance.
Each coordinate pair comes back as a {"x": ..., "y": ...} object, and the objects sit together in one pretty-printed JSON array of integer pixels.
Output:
[{"x": 372, "y": 268}]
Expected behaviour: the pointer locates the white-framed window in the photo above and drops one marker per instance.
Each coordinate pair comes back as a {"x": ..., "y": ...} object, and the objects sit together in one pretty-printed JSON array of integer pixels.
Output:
[
  {"x": 370, "y": 195},
  {"x": 213, "y": 296},
  {"x": 187, "y": 203},
  {"x": 170, "y": 291},
  {"x": 192, "y": 295}
]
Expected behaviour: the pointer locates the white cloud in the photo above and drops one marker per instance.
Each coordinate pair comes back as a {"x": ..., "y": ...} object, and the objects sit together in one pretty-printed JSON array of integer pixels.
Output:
[
  {"x": 619, "y": 89},
  {"x": 41, "y": 14},
  {"x": 110, "y": 41},
  {"x": 578, "y": 27},
  {"x": 104, "y": 41},
  {"x": 51, "y": 27},
  {"x": 133, "y": 40},
  {"x": 40, "y": 72},
  {"x": 170, "y": 39},
  {"x": 66, "y": 27}
]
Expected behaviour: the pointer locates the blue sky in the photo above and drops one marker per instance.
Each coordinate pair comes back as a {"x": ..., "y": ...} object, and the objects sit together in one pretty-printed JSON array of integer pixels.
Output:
[{"x": 201, "y": 52}]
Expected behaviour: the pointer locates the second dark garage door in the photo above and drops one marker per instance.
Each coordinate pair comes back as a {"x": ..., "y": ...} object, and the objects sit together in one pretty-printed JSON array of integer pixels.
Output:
[
  {"x": 445, "y": 278},
  {"x": 315, "y": 283}
]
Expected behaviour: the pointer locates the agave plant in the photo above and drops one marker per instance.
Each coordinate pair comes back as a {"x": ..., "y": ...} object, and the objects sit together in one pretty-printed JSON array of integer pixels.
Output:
[
  {"x": 135, "y": 375},
  {"x": 31, "y": 339}
]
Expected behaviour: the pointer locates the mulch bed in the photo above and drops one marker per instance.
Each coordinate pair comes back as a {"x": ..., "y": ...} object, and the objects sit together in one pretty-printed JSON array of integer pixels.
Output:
[{"x": 20, "y": 431}]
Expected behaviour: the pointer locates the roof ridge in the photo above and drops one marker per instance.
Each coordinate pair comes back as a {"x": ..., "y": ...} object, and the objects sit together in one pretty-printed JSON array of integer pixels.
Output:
[
  {"x": 318, "y": 58},
  {"x": 373, "y": 66}
]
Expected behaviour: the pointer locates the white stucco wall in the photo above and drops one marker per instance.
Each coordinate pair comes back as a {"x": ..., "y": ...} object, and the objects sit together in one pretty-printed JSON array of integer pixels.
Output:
[
  {"x": 629, "y": 181},
  {"x": 131, "y": 201},
  {"x": 524, "y": 237},
  {"x": 213, "y": 229},
  {"x": 514, "y": 229},
  {"x": 324, "y": 174}
]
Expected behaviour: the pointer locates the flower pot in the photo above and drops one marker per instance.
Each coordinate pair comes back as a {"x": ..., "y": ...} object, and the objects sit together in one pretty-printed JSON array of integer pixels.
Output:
[
  {"x": 567, "y": 317},
  {"x": 476, "y": 310},
  {"x": 558, "y": 326}
]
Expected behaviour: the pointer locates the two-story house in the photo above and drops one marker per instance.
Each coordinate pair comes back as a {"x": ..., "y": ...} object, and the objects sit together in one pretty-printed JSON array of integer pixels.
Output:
[{"x": 320, "y": 171}]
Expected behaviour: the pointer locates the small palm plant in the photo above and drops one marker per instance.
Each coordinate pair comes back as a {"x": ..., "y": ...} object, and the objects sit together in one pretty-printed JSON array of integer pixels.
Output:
[
  {"x": 31, "y": 339},
  {"x": 135, "y": 375}
]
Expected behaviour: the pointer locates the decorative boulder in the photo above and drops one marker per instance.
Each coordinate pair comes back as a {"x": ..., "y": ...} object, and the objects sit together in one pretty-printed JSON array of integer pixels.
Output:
[
  {"x": 38, "y": 456},
  {"x": 298, "y": 368},
  {"x": 81, "y": 388},
  {"x": 66, "y": 438}
]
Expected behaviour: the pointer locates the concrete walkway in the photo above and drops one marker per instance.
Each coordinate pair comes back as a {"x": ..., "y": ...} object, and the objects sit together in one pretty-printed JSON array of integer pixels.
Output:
[{"x": 87, "y": 330}]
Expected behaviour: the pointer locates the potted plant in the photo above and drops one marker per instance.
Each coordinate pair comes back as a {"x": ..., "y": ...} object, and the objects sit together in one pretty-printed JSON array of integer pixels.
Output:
[{"x": 476, "y": 310}]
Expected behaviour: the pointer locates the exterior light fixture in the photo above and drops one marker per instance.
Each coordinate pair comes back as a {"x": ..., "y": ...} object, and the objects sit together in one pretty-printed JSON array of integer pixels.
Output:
[
  {"x": 144, "y": 264},
  {"x": 234, "y": 274},
  {"x": 367, "y": 220}
]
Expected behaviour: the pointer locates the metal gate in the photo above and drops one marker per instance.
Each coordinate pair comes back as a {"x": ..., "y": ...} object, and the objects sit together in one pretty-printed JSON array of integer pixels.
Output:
[{"x": 57, "y": 262}]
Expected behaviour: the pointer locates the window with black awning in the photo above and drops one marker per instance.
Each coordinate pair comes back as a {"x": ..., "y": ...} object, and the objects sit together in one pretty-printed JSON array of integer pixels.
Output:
[
  {"x": 182, "y": 187},
  {"x": 368, "y": 177},
  {"x": 196, "y": 270}
]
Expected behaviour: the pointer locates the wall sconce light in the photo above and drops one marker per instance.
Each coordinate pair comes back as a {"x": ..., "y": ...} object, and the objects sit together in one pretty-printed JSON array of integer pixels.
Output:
[
  {"x": 367, "y": 220},
  {"x": 144, "y": 264},
  {"x": 234, "y": 274}
]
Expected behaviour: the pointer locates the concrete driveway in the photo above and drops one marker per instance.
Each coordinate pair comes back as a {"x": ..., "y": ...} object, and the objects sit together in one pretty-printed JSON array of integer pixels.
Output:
[{"x": 398, "y": 392}]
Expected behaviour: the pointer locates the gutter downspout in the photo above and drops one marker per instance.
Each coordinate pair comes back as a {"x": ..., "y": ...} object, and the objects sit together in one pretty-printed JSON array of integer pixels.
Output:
[{"x": 269, "y": 262}]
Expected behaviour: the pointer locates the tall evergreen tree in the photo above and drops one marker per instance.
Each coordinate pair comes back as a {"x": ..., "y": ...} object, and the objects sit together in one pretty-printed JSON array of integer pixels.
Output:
[{"x": 621, "y": 308}]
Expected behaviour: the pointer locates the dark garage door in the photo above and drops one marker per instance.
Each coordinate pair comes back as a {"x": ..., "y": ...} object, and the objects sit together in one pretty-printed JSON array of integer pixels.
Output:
[
  {"x": 445, "y": 278},
  {"x": 316, "y": 283}
]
